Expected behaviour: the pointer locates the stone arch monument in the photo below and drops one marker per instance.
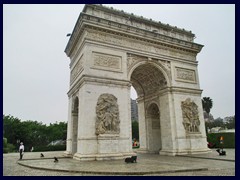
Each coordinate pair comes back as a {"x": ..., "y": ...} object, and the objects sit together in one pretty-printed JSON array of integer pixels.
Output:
[{"x": 110, "y": 51}]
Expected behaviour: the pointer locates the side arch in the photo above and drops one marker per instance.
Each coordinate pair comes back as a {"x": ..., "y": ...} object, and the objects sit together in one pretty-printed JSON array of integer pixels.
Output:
[{"x": 153, "y": 127}]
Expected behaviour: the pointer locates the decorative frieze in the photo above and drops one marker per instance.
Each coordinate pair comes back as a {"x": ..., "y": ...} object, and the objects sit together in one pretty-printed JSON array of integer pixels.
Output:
[
  {"x": 186, "y": 75},
  {"x": 138, "y": 44},
  {"x": 107, "y": 62}
]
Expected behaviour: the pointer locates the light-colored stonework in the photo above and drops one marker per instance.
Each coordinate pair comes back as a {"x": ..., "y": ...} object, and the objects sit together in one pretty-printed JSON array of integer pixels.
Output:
[{"x": 110, "y": 51}]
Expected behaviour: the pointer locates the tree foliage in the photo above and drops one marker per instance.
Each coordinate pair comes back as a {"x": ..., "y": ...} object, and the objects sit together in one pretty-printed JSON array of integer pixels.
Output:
[
  {"x": 135, "y": 130},
  {"x": 207, "y": 104},
  {"x": 230, "y": 123},
  {"x": 32, "y": 133},
  {"x": 219, "y": 122}
]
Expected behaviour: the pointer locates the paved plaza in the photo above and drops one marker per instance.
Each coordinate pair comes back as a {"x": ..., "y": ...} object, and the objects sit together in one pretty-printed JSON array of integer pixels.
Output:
[{"x": 210, "y": 164}]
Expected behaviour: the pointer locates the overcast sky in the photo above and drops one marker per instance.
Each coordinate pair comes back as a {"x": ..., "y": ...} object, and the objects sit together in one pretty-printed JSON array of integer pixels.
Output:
[{"x": 36, "y": 70}]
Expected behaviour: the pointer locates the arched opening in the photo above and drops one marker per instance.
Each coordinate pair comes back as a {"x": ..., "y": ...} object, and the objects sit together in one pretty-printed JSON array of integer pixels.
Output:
[
  {"x": 75, "y": 125},
  {"x": 148, "y": 80},
  {"x": 153, "y": 128},
  {"x": 134, "y": 118}
]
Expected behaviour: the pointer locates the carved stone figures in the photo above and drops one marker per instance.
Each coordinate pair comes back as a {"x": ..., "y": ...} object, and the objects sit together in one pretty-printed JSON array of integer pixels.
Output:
[
  {"x": 107, "y": 112},
  {"x": 191, "y": 120}
]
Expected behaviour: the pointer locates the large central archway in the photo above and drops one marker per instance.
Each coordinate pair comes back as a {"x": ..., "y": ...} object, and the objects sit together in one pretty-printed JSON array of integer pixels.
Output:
[{"x": 148, "y": 80}]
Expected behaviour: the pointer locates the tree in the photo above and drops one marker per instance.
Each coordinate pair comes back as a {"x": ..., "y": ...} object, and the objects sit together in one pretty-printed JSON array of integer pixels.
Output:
[
  {"x": 32, "y": 133},
  {"x": 230, "y": 124},
  {"x": 207, "y": 104},
  {"x": 135, "y": 130}
]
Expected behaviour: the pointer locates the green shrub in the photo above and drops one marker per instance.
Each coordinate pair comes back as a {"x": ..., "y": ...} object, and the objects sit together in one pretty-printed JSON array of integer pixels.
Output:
[
  {"x": 229, "y": 139},
  {"x": 11, "y": 147},
  {"x": 4, "y": 142},
  {"x": 5, "y": 150},
  {"x": 50, "y": 148}
]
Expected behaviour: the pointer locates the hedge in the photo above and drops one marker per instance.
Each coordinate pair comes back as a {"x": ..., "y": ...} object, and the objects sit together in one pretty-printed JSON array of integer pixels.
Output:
[
  {"x": 50, "y": 148},
  {"x": 228, "y": 142},
  {"x": 4, "y": 142},
  {"x": 5, "y": 148}
]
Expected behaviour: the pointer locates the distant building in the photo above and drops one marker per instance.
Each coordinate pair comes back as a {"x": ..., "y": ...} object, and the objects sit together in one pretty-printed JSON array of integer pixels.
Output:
[
  {"x": 221, "y": 130},
  {"x": 134, "y": 110}
]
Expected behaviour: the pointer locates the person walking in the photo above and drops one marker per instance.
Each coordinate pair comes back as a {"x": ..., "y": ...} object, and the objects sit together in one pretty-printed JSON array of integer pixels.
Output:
[{"x": 21, "y": 150}]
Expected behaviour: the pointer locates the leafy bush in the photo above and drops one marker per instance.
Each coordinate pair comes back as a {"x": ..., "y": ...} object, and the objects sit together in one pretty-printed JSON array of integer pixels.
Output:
[
  {"x": 4, "y": 142},
  {"x": 50, "y": 148},
  {"x": 11, "y": 148},
  {"x": 229, "y": 139},
  {"x": 5, "y": 148}
]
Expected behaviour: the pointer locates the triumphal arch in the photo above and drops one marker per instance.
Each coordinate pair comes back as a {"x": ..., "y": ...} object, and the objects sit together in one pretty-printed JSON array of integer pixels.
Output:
[{"x": 110, "y": 51}]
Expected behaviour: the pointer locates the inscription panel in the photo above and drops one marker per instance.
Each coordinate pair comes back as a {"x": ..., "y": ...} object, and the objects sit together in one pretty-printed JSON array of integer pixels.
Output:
[
  {"x": 107, "y": 62},
  {"x": 186, "y": 75}
]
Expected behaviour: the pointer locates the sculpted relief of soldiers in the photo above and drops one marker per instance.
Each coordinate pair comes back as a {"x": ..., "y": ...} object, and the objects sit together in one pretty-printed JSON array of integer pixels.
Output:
[
  {"x": 191, "y": 120},
  {"x": 107, "y": 112}
]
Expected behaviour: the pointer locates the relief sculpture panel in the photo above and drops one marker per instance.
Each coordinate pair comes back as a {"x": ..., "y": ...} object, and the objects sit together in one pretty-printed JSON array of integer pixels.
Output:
[
  {"x": 107, "y": 62},
  {"x": 190, "y": 115},
  {"x": 186, "y": 75},
  {"x": 107, "y": 121}
]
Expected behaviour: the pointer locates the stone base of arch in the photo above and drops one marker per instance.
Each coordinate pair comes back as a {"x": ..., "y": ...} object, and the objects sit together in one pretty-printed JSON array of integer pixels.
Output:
[
  {"x": 191, "y": 144},
  {"x": 99, "y": 157},
  {"x": 67, "y": 154},
  {"x": 184, "y": 152}
]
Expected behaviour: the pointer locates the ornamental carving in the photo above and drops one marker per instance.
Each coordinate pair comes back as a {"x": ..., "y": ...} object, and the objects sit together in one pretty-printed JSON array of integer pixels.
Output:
[
  {"x": 187, "y": 75},
  {"x": 190, "y": 115},
  {"x": 137, "y": 44},
  {"x": 151, "y": 78},
  {"x": 107, "y": 112},
  {"x": 165, "y": 64},
  {"x": 133, "y": 59},
  {"x": 107, "y": 62}
]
